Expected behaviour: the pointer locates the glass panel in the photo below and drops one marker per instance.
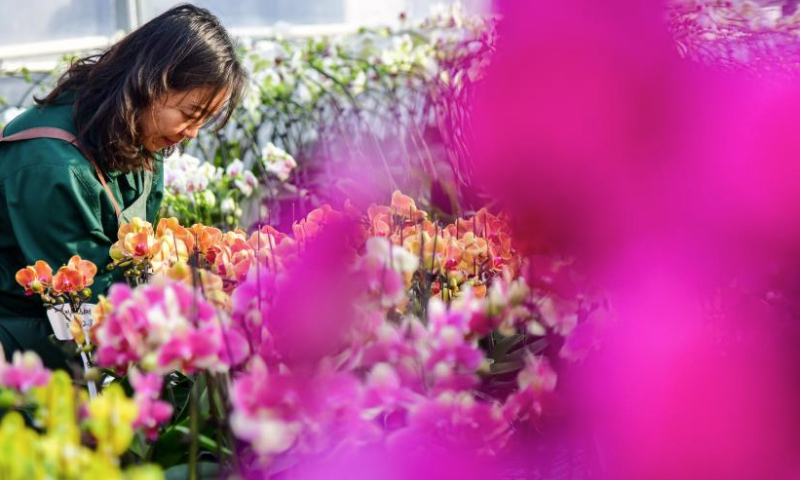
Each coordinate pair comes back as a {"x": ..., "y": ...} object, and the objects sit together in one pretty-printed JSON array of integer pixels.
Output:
[
  {"x": 42, "y": 20},
  {"x": 253, "y": 13},
  {"x": 387, "y": 12}
]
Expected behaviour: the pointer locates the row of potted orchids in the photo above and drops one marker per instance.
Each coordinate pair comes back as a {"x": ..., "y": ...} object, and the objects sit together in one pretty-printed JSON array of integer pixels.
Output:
[{"x": 356, "y": 329}]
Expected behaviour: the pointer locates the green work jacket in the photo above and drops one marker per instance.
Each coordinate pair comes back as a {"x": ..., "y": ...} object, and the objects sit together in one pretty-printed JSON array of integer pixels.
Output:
[{"x": 53, "y": 206}]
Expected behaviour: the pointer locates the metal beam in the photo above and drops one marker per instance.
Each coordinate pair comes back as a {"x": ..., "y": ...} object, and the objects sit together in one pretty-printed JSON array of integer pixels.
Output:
[
  {"x": 128, "y": 16},
  {"x": 53, "y": 47}
]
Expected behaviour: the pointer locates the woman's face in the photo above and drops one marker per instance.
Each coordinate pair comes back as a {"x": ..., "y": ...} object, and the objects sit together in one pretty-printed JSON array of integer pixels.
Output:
[{"x": 176, "y": 116}]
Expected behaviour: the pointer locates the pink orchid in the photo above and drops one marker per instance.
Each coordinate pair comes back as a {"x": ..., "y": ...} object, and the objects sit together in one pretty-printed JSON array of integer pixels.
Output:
[
  {"x": 24, "y": 372},
  {"x": 453, "y": 421},
  {"x": 152, "y": 411},
  {"x": 535, "y": 381},
  {"x": 166, "y": 325}
]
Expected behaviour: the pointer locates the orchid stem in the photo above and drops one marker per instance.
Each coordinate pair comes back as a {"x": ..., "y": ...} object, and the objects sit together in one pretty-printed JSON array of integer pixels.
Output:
[{"x": 195, "y": 431}]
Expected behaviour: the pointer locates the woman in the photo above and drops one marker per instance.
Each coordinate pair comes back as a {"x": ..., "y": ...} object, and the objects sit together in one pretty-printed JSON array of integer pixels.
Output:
[{"x": 88, "y": 156}]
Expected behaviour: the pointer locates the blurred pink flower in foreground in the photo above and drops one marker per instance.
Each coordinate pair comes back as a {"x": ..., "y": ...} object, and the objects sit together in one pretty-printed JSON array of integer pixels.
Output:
[
  {"x": 670, "y": 182},
  {"x": 24, "y": 372}
]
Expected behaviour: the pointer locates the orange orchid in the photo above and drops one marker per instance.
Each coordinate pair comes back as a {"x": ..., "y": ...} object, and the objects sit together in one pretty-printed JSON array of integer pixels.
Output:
[
  {"x": 171, "y": 226},
  {"x": 205, "y": 237},
  {"x": 380, "y": 220},
  {"x": 322, "y": 215},
  {"x": 29, "y": 280},
  {"x": 309, "y": 227},
  {"x": 479, "y": 290},
  {"x": 266, "y": 238},
  {"x": 453, "y": 254},
  {"x": 219, "y": 258},
  {"x": 402, "y": 212},
  {"x": 86, "y": 268},
  {"x": 306, "y": 230},
  {"x": 138, "y": 245},
  {"x": 405, "y": 207},
  {"x": 73, "y": 277},
  {"x": 68, "y": 280},
  {"x": 271, "y": 246},
  {"x": 44, "y": 271},
  {"x": 36, "y": 278},
  {"x": 234, "y": 237},
  {"x": 232, "y": 261},
  {"x": 475, "y": 248},
  {"x": 241, "y": 261}
]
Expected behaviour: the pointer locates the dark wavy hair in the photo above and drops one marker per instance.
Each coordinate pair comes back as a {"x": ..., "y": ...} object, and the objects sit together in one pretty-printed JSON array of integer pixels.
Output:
[{"x": 184, "y": 48}]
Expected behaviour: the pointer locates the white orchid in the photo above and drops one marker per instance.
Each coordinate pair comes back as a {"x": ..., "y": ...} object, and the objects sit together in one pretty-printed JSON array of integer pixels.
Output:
[
  {"x": 227, "y": 205},
  {"x": 177, "y": 168},
  {"x": 393, "y": 256},
  {"x": 252, "y": 99},
  {"x": 235, "y": 168},
  {"x": 247, "y": 183},
  {"x": 359, "y": 82},
  {"x": 277, "y": 162}
]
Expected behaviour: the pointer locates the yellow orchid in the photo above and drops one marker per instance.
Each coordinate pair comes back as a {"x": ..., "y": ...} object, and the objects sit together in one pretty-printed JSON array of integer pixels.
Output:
[
  {"x": 433, "y": 249},
  {"x": 55, "y": 450},
  {"x": 167, "y": 250},
  {"x": 20, "y": 455},
  {"x": 56, "y": 412},
  {"x": 135, "y": 241},
  {"x": 111, "y": 416},
  {"x": 136, "y": 225},
  {"x": 76, "y": 329},
  {"x": 101, "y": 311}
]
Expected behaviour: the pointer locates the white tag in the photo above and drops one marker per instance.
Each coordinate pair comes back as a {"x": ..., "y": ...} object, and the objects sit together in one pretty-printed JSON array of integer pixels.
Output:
[{"x": 60, "y": 319}]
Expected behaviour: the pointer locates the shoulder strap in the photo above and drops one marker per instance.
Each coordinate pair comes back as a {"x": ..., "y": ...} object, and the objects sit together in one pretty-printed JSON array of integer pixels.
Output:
[{"x": 57, "y": 133}]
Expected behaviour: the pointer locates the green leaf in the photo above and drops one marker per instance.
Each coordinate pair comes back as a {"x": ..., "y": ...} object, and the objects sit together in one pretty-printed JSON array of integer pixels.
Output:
[
  {"x": 178, "y": 391},
  {"x": 506, "y": 344},
  {"x": 171, "y": 447},
  {"x": 137, "y": 444},
  {"x": 206, "y": 441},
  {"x": 205, "y": 408},
  {"x": 505, "y": 367}
]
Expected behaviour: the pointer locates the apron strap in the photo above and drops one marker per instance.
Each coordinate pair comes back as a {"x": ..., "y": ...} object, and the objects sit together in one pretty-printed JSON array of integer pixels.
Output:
[{"x": 57, "y": 133}]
